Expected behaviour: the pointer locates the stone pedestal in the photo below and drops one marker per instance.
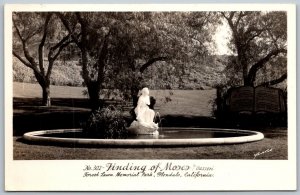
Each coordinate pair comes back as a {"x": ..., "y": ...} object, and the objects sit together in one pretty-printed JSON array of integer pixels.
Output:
[{"x": 140, "y": 128}]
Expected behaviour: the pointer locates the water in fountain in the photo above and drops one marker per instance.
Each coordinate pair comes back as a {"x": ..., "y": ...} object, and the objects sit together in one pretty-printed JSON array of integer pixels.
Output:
[{"x": 158, "y": 119}]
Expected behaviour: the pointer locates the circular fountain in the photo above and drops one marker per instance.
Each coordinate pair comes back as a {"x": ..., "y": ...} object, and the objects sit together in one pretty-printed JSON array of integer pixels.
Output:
[
  {"x": 143, "y": 131},
  {"x": 169, "y": 137}
]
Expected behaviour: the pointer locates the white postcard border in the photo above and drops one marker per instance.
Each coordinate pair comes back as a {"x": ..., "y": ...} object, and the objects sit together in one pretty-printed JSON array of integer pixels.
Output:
[{"x": 66, "y": 175}]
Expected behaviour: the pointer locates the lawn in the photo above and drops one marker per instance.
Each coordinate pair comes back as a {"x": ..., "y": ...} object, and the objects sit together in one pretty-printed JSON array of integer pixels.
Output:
[
  {"x": 187, "y": 108},
  {"x": 183, "y": 102}
]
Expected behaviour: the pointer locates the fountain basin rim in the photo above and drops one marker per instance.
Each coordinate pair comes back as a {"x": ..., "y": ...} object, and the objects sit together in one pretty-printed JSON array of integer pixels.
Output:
[{"x": 35, "y": 137}]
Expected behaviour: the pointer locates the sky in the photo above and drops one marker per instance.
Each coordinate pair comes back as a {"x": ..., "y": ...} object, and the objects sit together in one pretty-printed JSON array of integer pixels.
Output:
[{"x": 221, "y": 39}]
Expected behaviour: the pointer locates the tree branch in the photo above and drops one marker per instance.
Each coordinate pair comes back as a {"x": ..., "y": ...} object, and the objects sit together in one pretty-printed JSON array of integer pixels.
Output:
[
  {"x": 82, "y": 45},
  {"x": 24, "y": 45},
  {"x": 24, "y": 39},
  {"x": 80, "y": 19},
  {"x": 223, "y": 14},
  {"x": 34, "y": 68},
  {"x": 18, "y": 31},
  {"x": 258, "y": 32},
  {"x": 61, "y": 42},
  {"x": 228, "y": 17},
  {"x": 67, "y": 26},
  {"x": 232, "y": 26},
  {"x": 241, "y": 14},
  {"x": 260, "y": 63},
  {"x": 61, "y": 48},
  {"x": 231, "y": 15},
  {"x": 150, "y": 62},
  {"x": 275, "y": 81},
  {"x": 83, "y": 25},
  {"x": 265, "y": 59},
  {"x": 42, "y": 43},
  {"x": 22, "y": 60},
  {"x": 33, "y": 33},
  {"x": 102, "y": 58},
  {"x": 52, "y": 59}
]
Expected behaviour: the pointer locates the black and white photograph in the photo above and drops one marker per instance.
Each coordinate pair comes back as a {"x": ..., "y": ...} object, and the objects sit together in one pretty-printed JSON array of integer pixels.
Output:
[{"x": 124, "y": 97}]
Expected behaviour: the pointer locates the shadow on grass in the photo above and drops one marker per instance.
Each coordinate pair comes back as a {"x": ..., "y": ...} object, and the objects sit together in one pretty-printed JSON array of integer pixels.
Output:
[
  {"x": 54, "y": 120},
  {"x": 61, "y": 102},
  {"x": 29, "y": 115}
]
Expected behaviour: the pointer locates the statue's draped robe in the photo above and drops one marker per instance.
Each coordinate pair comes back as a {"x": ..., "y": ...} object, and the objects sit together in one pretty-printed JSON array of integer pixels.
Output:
[{"x": 144, "y": 116}]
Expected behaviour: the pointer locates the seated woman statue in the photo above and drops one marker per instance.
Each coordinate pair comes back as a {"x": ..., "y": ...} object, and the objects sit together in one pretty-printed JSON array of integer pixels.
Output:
[{"x": 144, "y": 123}]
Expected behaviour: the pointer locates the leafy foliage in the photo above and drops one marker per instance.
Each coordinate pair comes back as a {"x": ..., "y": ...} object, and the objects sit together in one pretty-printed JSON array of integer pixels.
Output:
[
  {"x": 159, "y": 51},
  {"x": 106, "y": 123},
  {"x": 64, "y": 73},
  {"x": 259, "y": 40},
  {"x": 34, "y": 33},
  {"x": 125, "y": 45},
  {"x": 22, "y": 73}
]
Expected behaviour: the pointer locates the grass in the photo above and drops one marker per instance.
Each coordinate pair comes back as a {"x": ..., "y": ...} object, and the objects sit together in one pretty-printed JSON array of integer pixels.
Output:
[
  {"x": 184, "y": 102},
  {"x": 187, "y": 108}
]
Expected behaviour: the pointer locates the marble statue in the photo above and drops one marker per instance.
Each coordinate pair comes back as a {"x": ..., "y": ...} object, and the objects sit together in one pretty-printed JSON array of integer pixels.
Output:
[{"x": 144, "y": 123}]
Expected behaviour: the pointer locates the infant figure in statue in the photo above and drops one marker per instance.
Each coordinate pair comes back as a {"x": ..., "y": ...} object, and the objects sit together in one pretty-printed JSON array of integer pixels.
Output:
[{"x": 144, "y": 123}]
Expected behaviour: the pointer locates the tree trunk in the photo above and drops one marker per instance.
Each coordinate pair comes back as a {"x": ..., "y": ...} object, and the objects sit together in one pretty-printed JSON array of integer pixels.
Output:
[
  {"x": 134, "y": 95},
  {"x": 94, "y": 91},
  {"x": 219, "y": 102},
  {"x": 243, "y": 63},
  {"x": 248, "y": 81},
  {"x": 46, "y": 95},
  {"x": 45, "y": 85}
]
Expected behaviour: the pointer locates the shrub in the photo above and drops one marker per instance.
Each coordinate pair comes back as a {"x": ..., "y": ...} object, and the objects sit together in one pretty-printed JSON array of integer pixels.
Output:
[
  {"x": 66, "y": 73},
  {"x": 106, "y": 123},
  {"x": 22, "y": 73}
]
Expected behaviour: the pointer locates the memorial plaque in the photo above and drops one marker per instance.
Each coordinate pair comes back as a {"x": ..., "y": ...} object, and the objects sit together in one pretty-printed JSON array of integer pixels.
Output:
[
  {"x": 282, "y": 102},
  {"x": 241, "y": 99},
  {"x": 267, "y": 100},
  {"x": 259, "y": 99}
]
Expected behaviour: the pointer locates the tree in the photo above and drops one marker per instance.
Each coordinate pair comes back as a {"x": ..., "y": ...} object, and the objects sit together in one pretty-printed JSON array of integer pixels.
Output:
[
  {"x": 259, "y": 41},
  {"x": 91, "y": 37},
  {"x": 117, "y": 48},
  {"x": 33, "y": 31},
  {"x": 169, "y": 43}
]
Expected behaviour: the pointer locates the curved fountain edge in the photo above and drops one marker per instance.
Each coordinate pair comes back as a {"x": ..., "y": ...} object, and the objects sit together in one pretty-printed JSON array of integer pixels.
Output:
[{"x": 34, "y": 137}]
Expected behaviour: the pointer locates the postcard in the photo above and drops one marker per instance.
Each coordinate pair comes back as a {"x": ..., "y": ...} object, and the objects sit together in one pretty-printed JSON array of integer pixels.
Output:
[{"x": 150, "y": 97}]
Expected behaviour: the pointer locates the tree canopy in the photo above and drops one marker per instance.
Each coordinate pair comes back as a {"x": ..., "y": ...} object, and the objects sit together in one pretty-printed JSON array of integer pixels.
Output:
[
  {"x": 123, "y": 45},
  {"x": 259, "y": 40}
]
